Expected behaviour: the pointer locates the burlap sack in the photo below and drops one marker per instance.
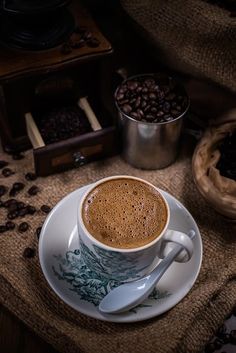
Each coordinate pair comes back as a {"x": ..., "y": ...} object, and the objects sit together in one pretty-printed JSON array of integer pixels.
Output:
[
  {"x": 193, "y": 36},
  {"x": 185, "y": 328}
]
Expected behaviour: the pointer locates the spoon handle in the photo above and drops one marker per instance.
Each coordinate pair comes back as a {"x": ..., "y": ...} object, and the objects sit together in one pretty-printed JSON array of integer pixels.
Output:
[{"x": 161, "y": 268}]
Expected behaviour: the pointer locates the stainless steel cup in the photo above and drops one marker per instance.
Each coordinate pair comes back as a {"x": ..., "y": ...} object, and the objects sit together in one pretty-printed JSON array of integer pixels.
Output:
[{"x": 150, "y": 145}]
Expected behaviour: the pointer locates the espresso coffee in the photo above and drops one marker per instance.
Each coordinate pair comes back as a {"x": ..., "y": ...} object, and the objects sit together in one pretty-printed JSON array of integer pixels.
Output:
[{"x": 124, "y": 213}]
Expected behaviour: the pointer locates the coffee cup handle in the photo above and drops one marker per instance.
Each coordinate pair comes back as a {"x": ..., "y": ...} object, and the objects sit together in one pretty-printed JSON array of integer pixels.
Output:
[{"x": 172, "y": 237}]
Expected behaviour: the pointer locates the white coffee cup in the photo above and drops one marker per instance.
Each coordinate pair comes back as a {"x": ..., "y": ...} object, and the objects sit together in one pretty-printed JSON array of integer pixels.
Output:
[{"x": 121, "y": 264}]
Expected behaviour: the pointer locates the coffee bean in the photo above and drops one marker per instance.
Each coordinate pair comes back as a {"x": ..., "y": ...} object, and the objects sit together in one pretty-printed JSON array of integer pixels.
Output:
[
  {"x": 93, "y": 42},
  {"x": 170, "y": 118},
  {"x": 10, "y": 225},
  {"x": 166, "y": 116},
  {"x": 160, "y": 113},
  {"x": 152, "y": 96},
  {"x": 149, "y": 82},
  {"x": 18, "y": 186},
  {"x": 13, "y": 207},
  {"x": 23, "y": 227},
  {"x": 126, "y": 108},
  {"x": 155, "y": 88},
  {"x": 10, "y": 202},
  {"x": 3, "y": 190},
  {"x": 153, "y": 109},
  {"x": 78, "y": 44},
  {"x": 132, "y": 101},
  {"x": 38, "y": 231},
  {"x": 143, "y": 104},
  {"x": 12, "y": 215},
  {"x": 132, "y": 85},
  {"x": 140, "y": 113},
  {"x": 20, "y": 205},
  {"x": 120, "y": 96},
  {"x": 166, "y": 107},
  {"x": 123, "y": 102},
  {"x": 3, "y": 228},
  {"x": 3, "y": 164},
  {"x": 6, "y": 172},
  {"x": 22, "y": 212},
  {"x": 17, "y": 156},
  {"x": 87, "y": 35},
  {"x": 33, "y": 190},
  {"x": 154, "y": 103},
  {"x": 137, "y": 102},
  {"x": 31, "y": 209},
  {"x": 30, "y": 176},
  {"x": 134, "y": 115},
  {"x": 123, "y": 88},
  {"x": 139, "y": 89},
  {"x": 45, "y": 208},
  {"x": 150, "y": 117},
  {"x": 29, "y": 253}
]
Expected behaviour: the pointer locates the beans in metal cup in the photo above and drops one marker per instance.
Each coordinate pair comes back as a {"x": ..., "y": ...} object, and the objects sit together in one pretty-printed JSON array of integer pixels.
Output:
[{"x": 151, "y": 108}]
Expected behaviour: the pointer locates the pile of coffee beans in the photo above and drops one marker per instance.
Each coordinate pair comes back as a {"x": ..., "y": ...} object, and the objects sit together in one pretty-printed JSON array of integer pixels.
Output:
[
  {"x": 62, "y": 123},
  {"x": 18, "y": 210},
  {"x": 227, "y": 162},
  {"x": 149, "y": 99}
]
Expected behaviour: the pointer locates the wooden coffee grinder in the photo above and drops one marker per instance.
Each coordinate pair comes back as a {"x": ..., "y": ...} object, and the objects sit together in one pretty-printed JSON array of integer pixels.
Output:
[{"x": 52, "y": 55}]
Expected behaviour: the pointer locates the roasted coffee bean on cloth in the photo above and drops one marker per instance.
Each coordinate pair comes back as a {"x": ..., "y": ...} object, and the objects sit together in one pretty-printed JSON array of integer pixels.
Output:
[
  {"x": 187, "y": 327},
  {"x": 196, "y": 37}
]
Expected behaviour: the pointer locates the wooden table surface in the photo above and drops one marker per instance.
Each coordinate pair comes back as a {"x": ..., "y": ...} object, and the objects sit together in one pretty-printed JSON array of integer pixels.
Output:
[{"x": 15, "y": 337}]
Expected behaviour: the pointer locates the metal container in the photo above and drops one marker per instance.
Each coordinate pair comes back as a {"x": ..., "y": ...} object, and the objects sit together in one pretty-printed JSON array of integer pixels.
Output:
[{"x": 150, "y": 145}]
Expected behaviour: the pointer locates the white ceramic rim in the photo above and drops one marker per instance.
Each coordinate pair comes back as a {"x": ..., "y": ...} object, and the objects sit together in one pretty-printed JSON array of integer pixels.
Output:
[{"x": 107, "y": 247}]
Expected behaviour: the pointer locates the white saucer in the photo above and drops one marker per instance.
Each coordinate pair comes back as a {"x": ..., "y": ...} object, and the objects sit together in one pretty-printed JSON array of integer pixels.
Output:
[{"x": 66, "y": 273}]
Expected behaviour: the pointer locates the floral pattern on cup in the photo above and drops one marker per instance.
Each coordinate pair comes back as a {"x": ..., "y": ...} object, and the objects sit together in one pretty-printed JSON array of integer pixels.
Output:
[{"x": 91, "y": 285}]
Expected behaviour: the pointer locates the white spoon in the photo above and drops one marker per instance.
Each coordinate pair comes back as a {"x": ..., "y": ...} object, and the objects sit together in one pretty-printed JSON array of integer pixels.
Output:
[{"x": 129, "y": 295}]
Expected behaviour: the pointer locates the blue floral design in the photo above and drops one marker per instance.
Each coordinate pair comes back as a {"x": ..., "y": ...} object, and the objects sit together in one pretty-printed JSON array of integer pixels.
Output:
[{"x": 88, "y": 274}]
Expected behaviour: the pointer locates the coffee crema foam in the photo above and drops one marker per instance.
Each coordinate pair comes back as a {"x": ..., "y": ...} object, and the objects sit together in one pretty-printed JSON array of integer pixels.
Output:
[{"x": 124, "y": 213}]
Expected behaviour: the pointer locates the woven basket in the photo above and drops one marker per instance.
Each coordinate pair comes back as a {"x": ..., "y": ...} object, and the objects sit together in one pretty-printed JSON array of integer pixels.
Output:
[{"x": 219, "y": 191}]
